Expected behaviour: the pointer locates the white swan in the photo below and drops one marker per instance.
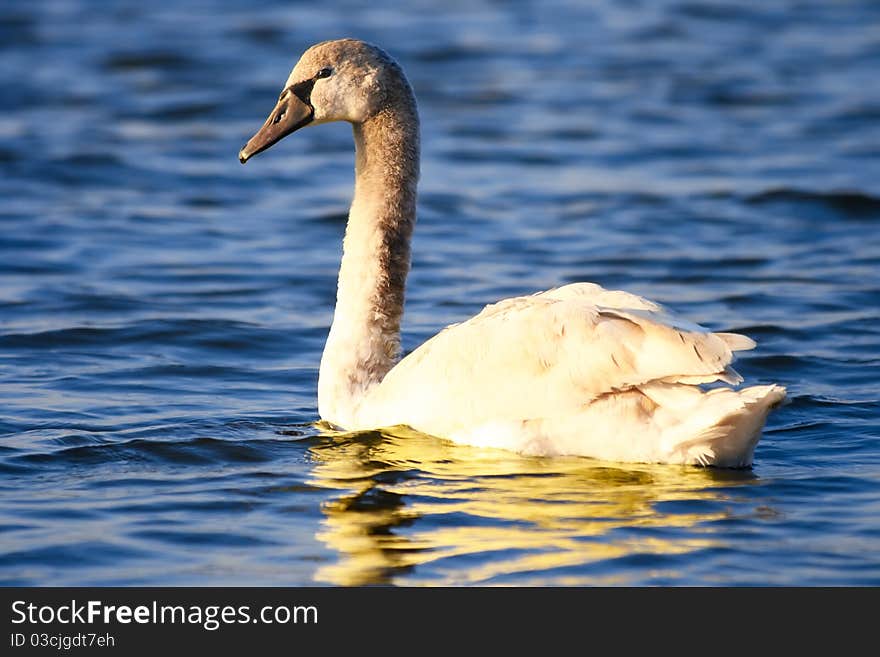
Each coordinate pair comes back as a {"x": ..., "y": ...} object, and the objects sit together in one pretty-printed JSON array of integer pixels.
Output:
[{"x": 576, "y": 370}]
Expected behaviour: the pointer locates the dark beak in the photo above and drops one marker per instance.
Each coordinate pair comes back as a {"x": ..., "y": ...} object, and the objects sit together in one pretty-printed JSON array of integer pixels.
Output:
[{"x": 289, "y": 115}]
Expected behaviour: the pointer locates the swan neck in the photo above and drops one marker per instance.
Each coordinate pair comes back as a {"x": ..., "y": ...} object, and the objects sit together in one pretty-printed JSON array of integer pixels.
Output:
[{"x": 364, "y": 340}]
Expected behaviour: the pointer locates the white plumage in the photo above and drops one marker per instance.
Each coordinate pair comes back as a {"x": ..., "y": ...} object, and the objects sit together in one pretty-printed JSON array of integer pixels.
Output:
[{"x": 577, "y": 370}]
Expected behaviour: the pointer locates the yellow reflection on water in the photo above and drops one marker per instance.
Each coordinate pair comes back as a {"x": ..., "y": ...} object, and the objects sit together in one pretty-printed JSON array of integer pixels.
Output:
[{"x": 413, "y": 509}]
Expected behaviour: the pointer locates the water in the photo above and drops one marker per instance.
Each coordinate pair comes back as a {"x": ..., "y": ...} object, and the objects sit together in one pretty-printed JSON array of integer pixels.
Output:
[{"x": 163, "y": 309}]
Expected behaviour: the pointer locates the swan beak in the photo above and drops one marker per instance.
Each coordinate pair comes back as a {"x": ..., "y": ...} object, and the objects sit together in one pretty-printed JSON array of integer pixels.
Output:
[{"x": 289, "y": 115}]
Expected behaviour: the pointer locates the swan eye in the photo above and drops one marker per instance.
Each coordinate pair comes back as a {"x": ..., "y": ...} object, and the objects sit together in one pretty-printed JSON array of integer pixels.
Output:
[{"x": 324, "y": 73}]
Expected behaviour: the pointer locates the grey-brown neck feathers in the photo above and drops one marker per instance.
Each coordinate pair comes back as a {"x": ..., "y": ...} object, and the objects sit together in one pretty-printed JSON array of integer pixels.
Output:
[{"x": 364, "y": 341}]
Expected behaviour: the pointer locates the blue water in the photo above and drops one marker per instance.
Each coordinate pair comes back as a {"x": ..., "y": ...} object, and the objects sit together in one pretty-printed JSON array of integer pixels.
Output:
[{"x": 163, "y": 309}]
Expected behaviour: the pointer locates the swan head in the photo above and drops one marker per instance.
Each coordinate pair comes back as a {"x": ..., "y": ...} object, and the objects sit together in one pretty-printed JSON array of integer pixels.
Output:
[{"x": 342, "y": 80}]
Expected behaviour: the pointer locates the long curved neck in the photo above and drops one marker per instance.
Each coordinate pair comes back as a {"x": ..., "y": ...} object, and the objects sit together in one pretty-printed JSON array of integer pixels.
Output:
[{"x": 364, "y": 340}]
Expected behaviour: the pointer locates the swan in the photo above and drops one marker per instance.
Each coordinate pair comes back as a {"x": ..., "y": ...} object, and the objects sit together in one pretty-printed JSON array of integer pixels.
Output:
[{"x": 575, "y": 370}]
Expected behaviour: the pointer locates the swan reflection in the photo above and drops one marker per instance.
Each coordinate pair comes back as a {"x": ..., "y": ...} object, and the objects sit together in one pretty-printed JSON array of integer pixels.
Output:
[{"x": 413, "y": 509}]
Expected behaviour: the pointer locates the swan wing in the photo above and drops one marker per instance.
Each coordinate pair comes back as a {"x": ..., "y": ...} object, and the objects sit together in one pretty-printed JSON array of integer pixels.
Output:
[{"x": 545, "y": 354}]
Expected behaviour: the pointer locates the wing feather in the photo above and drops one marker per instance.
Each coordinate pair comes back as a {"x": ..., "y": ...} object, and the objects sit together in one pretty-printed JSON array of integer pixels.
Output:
[{"x": 554, "y": 351}]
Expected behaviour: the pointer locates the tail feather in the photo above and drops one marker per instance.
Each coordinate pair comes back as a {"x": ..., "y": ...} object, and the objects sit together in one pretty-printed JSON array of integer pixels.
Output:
[
  {"x": 720, "y": 427},
  {"x": 737, "y": 342}
]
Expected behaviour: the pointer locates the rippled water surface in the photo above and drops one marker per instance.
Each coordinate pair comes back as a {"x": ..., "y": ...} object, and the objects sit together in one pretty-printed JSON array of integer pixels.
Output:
[{"x": 163, "y": 309}]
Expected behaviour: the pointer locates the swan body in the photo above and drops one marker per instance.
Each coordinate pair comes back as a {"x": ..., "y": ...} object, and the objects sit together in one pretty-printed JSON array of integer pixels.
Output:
[{"x": 576, "y": 370}]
